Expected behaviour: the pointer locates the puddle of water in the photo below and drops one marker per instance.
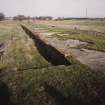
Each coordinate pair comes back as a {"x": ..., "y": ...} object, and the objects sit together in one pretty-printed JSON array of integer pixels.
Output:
[
  {"x": 40, "y": 30},
  {"x": 46, "y": 34}
]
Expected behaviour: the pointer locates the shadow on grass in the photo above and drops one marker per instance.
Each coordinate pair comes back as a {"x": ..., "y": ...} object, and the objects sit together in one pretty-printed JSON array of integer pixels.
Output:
[
  {"x": 57, "y": 95},
  {"x": 61, "y": 99},
  {"x": 4, "y": 94}
]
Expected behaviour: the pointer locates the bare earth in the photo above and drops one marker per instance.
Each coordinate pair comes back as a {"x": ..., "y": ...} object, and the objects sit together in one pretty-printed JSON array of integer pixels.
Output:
[{"x": 92, "y": 58}]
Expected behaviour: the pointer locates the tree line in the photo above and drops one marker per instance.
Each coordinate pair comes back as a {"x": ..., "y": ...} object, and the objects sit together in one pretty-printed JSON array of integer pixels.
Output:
[
  {"x": 23, "y": 17},
  {"x": 2, "y": 16}
]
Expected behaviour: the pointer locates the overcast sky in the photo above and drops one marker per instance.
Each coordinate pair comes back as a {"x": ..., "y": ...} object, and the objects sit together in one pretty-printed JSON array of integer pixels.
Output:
[{"x": 66, "y": 8}]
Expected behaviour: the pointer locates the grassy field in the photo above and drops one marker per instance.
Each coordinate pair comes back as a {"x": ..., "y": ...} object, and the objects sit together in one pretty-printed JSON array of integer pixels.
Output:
[
  {"x": 70, "y": 29},
  {"x": 20, "y": 50},
  {"x": 94, "y": 40},
  {"x": 95, "y": 25},
  {"x": 31, "y": 80},
  {"x": 56, "y": 86}
]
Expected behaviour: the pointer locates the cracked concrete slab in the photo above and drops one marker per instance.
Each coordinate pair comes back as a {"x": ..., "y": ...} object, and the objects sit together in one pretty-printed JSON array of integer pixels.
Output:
[{"x": 94, "y": 59}]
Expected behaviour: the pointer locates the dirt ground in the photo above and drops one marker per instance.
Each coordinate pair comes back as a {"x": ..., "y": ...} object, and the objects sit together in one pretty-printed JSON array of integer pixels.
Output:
[{"x": 92, "y": 58}]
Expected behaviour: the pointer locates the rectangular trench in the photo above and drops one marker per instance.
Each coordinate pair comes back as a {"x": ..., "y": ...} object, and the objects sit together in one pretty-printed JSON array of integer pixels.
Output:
[{"x": 51, "y": 54}]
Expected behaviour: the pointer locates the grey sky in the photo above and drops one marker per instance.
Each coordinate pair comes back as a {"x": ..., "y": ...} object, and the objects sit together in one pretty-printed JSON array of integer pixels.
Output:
[{"x": 67, "y": 8}]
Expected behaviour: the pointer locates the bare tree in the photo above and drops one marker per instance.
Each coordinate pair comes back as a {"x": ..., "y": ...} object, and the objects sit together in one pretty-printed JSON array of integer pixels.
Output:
[
  {"x": 19, "y": 17},
  {"x": 2, "y": 16}
]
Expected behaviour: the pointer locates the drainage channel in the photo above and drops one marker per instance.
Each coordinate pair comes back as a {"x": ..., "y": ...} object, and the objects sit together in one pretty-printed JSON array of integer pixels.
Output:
[{"x": 50, "y": 53}]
